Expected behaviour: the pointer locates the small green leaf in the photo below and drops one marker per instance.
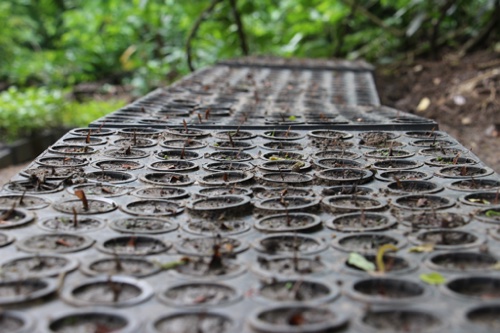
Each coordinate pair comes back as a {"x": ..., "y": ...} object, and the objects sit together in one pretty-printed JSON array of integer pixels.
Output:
[
  {"x": 171, "y": 265},
  {"x": 492, "y": 213},
  {"x": 357, "y": 260},
  {"x": 432, "y": 278},
  {"x": 292, "y": 118}
]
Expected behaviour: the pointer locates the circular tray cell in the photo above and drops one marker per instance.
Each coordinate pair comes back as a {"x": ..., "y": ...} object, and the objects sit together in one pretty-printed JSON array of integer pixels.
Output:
[
  {"x": 143, "y": 225},
  {"x": 167, "y": 179},
  {"x": 14, "y": 217},
  {"x": 344, "y": 154},
  {"x": 376, "y": 139},
  {"x": 117, "y": 165},
  {"x": 196, "y": 294},
  {"x": 387, "y": 290},
  {"x": 296, "y": 319},
  {"x": 90, "y": 321},
  {"x": 282, "y": 135},
  {"x": 69, "y": 224},
  {"x": 397, "y": 165},
  {"x": 483, "y": 288},
  {"x": 339, "y": 176},
  {"x": 219, "y": 206},
  {"x": 285, "y": 166},
  {"x": 187, "y": 144},
  {"x": 490, "y": 215},
  {"x": 173, "y": 166},
  {"x": 33, "y": 186},
  {"x": 432, "y": 143},
  {"x": 15, "y": 322},
  {"x": 25, "y": 290},
  {"x": 230, "y": 156},
  {"x": 286, "y": 204},
  {"x": 388, "y": 153},
  {"x": 463, "y": 171},
  {"x": 288, "y": 244},
  {"x": 461, "y": 262},
  {"x": 346, "y": 190},
  {"x": 235, "y": 135},
  {"x": 297, "y": 290},
  {"x": 226, "y": 178},
  {"x": 187, "y": 132},
  {"x": 444, "y": 239},
  {"x": 94, "y": 206},
  {"x": 52, "y": 173},
  {"x": 117, "y": 291},
  {"x": 443, "y": 152},
  {"x": 286, "y": 266},
  {"x": 288, "y": 222},
  {"x": 224, "y": 190},
  {"x": 357, "y": 222},
  {"x": 289, "y": 178},
  {"x": 282, "y": 155},
  {"x": 367, "y": 242},
  {"x": 56, "y": 162},
  {"x": 86, "y": 131},
  {"x": 139, "y": 132},
  {"x": 413, "y": 186},
  {"x": 101, "y": 190},
  {"x": 393, "y": 265},
  {"x": 209, "y": 228},
  {"x": 441, "y": 161},
  {"x": 227, "y": 166},
  {"x": 152, "y": 207},
  {"x": 329, "y": 134},
  {"x": 200, "y": 267},
  {"x": 126, "y": 153},
  {"x": 434, "y": 220},
  {"x": 231, "y": 145},
  {"x": 333, "y": 163},
  {"x": 167, "y": 193},
  {"x": 111, "y": 177},
  {"x": 208, "y": 246},
  {"x": 273, "y": 192},
  {"x": 136, "y": 142},
  {"x": 72, "y": 149},
  {"x": 389, "y": 176},
  {"x": 133, "y": 245},
  {"x": 347, "y": 203},
  {"x": 423, "y": 202},
  {"x": 484, "y": 318},
  {"x": 90, "y": 141},
  {"x": 55, "y": 243},
  {"x": 29, "y": 202},
  {"x": 193, "y": 322},
  {"x": 475, "y": 185},
  {"x": 382, "y": 144},
  {"x": 481, "y": 199},
  {"x": 401, "y": 320},
  {"x": 283, "y": 146},
  {"x": 38, "y": 266},
  {"x": 136, "y": 267},
  {"x": 331, "y": 143},
  {"x": 424, "y": 134}
]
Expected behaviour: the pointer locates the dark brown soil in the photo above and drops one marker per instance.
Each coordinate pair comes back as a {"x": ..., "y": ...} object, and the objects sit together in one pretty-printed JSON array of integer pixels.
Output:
[{"x": 463, "y": 93}]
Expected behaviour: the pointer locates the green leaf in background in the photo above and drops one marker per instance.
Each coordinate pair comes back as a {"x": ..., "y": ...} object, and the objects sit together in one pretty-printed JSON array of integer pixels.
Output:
[
  {"x": 432, "y": 278},
  {"x": 359, "y": 261},
  {"x": 492, "y": 213}
]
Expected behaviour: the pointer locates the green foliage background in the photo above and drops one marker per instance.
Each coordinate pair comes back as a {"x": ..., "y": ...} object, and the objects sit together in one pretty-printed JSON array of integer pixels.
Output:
[{"x": 56, "y": 44}]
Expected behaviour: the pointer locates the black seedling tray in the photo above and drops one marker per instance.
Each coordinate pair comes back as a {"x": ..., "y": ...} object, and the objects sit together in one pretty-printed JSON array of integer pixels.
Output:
[{"x": 314, "y": 194}]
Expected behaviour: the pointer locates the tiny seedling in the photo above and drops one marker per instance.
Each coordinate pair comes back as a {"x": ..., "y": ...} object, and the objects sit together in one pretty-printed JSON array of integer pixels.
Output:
[
  {"x": 75, "y": 218},
  {"x": 83, "y": 198},
  {"x": 380, "y": 256}
]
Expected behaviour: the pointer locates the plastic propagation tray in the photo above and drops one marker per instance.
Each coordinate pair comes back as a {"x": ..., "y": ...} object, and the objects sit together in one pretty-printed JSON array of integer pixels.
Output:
[
  {"x": 237, "y": 96},
  {"x": 200, "y": 230}
]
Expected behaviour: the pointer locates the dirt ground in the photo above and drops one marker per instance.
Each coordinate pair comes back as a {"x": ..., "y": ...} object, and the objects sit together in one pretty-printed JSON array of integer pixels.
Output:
[{"x": 461, "y": 95}]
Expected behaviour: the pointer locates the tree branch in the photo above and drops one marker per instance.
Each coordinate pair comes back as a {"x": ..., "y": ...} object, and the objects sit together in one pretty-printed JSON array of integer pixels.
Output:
[
  {"x": 239, "y": 25},
  {"x": 194, "y": 30}
]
